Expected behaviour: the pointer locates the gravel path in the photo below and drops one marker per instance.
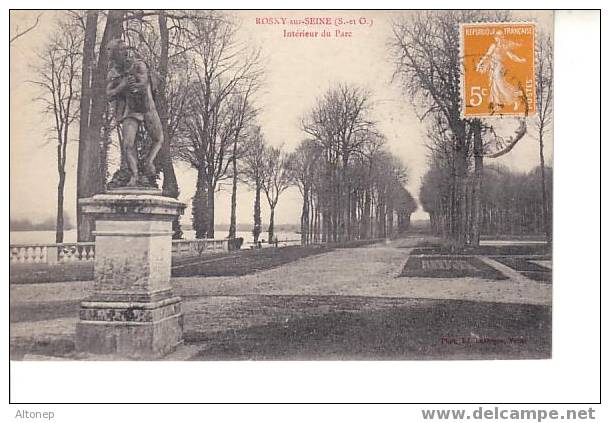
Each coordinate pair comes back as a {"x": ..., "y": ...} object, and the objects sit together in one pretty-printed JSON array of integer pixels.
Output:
[{"x": 367, "y": 271}]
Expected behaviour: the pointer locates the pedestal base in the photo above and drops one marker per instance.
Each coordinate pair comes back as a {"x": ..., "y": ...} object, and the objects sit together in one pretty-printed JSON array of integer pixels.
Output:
[
  {"x": 131, "y": 312},
  {"x": 143, "y": 330}
]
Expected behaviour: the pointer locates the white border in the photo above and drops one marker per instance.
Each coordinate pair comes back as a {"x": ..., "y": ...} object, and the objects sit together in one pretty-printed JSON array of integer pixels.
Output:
[{"x": 571, "y": 376}]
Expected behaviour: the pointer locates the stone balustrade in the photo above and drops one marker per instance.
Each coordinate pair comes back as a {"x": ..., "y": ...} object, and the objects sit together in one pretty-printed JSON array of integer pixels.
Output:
[{"x": 81, "y": 252}]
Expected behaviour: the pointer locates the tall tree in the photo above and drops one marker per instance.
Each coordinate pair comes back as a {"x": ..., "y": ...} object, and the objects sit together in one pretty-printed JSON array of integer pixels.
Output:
[
  {"x": 302, "y": 165},
  {"x": 427, "y": 58},
  {"x": 544, "y": 117},
  {"x": 252, "y": 171},
  {"x": 58, "y": 75},
  {"x": 275, "y": 180},
  {"x": 245, "y": 113},
  {"x": 86, "y": 171},
  {"x": 340, "y": 123},
  {"x": 221, "y": 67},
  {"x": 90, "y": 178},
  {"x": 164, "y": 158},
  {"x": 426, "y": 48}
]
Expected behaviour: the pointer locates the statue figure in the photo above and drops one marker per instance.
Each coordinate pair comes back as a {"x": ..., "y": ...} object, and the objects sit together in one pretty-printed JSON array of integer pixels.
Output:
[{"x": 131, "y": 87}]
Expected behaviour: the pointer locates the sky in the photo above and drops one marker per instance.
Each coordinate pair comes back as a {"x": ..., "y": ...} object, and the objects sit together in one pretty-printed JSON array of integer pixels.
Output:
[{"x": 298, "y": 70}]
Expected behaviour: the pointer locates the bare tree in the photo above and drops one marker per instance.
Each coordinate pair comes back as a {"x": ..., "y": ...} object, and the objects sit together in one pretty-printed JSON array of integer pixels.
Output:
[
  {"x": 252, "y": 164},
  {"x": 427, "y": 59},
  {"x": 302, "y": 165},
  {"x": 544, "y": 117},
  {"x": 341, "y": 124},
  {"x": 426, "y": 51},
  {"x": 221, "y": 68},
  {"x": 93, "y": 116},
  {"x": 245, "y": 112},
  {"x": 58, "y": 76},
  {"x": 275, "y": 180}
]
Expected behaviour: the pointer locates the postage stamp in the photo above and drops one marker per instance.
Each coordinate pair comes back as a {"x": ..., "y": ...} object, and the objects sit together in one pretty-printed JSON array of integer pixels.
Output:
[{"x": 498, "y": 76}]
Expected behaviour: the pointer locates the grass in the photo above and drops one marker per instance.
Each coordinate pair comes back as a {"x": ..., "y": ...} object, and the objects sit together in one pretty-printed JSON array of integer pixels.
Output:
[
  {"x": 362, "y": 328},
  {"x": 246, "y": 261},
  {"x": 43, "y": 273},
  {"x": 332, "y": 327},
  {"x": 460, "y": 267},
  {"x": 38, "y": 311}
]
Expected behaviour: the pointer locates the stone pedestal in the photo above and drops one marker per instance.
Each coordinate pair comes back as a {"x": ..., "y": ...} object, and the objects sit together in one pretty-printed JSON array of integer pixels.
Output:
[{"x": 132, "y": 311}]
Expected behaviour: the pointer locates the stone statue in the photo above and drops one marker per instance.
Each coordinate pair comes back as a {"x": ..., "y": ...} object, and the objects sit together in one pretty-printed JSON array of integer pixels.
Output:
[{"x": 131, "y": 87}]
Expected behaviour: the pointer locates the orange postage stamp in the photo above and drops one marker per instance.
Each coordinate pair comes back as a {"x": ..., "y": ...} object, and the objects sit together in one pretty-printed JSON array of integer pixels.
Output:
[{"x": 499, "y": 77}]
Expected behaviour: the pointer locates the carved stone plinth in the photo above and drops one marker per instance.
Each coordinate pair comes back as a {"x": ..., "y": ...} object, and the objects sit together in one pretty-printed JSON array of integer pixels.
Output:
[{"x": 132, "y": 311}]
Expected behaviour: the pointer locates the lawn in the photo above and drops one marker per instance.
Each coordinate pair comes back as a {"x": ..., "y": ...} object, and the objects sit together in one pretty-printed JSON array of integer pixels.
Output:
[
  {"x": 334, "y": 327},
  {"x": 362, "y": 328},
  {"x": 246, "y": 261},
  {"x": 43, "y": 273}
]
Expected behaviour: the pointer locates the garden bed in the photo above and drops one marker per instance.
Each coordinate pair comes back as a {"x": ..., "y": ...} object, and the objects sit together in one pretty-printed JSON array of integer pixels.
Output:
[
  {"x": 485, "y": 250},
  {"x": 449, "y": 267},
  {"x": 527, "y": 268}
]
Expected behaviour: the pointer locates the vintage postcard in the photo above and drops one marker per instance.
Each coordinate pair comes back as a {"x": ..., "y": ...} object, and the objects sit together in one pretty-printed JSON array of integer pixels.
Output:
[{"x": 281, "y": 185}]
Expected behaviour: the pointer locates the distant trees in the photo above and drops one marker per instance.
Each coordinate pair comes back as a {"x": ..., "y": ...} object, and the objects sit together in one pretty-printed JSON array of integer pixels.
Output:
[
  {"x": 426, "y": 49},
  {"x": 510, "y": 201},
  {"x": 351, "y": 185},
  {"x": 58, "y": 73},
  {"x": 25, "y": 224}
]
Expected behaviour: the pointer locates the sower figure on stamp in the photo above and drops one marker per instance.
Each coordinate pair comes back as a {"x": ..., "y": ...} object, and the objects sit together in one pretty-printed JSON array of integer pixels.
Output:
[
  {"x": 130, "y": 86},
  {"x": 501, "y": 92}
]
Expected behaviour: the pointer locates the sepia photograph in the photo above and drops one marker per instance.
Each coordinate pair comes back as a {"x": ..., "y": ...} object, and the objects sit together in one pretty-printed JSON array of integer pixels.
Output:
[{"x": 285, "y": 185}]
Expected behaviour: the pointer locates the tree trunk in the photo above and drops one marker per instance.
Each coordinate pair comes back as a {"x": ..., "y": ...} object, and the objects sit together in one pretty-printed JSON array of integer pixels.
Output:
[
  {"x": 233, "y": 225},
  {"x": 59, "y": 229},
  {"x": 367, "y": 214},
  {"x": 85, "y": 170},
  {"x": 305, "y": 217},
  {"x": 545, "y": 212},
  {"x": 210, "y": 214},
  {"x": 461, "y": 188},
  {"x": 256, "y": 230},
  {"x": 476, "y": 191},
  {"x": 164, "y": 158},
  {"x": 270, "y": 230},
  {"x": 90, "y": 178},
  {"x": 345, "y": 205},
  {"x": 325, "y": 227},
  {"x": 200, "y": 209}
]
